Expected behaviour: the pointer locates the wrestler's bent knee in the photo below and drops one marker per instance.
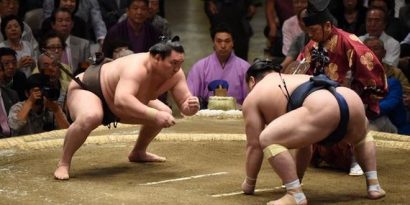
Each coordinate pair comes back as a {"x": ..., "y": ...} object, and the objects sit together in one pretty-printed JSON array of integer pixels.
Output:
[{"x": 273, "y": 150}]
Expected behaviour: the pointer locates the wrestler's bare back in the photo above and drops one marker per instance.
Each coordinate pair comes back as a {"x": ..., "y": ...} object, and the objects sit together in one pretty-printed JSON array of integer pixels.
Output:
[{"x": 273, "y": 105}]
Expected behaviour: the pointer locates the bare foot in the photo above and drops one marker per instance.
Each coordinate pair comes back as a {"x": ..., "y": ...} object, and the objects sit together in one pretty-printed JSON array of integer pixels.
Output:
[
  {"x": 248, "y": 186},
  {"x": 376, "y": 194},
  {"x": 288, "y": 199},
  {"x": 145, "y": 157},
  {"x": 61, "y": 172},
  {"x": 374, "y": 191}
]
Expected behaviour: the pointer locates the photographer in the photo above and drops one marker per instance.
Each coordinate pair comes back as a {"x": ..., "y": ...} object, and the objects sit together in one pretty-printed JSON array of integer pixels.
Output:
[
  {"x": 55, "y": 78},
  {"x": 40, "y": 112}
]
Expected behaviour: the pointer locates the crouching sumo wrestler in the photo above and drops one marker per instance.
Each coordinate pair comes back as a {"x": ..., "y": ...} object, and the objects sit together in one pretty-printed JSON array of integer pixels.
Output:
[
  {"x": 126, "y": 90},
  {"x": 284, "y": 112}
]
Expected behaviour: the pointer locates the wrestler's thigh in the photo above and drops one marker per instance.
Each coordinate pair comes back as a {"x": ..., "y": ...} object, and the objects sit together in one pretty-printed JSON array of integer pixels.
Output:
[
  {"x": 358, "y": 123},
  {"x": 84, "y": 104},
  {"x": 157, "y": 104},
  {"x": 298, "y": 128}
]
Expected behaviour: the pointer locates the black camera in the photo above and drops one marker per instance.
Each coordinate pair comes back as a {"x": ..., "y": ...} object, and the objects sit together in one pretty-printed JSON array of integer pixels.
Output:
[{"x": 50, "y": 93}]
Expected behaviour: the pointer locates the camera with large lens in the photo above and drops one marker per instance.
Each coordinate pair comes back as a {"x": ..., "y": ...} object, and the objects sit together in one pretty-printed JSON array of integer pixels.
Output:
[
  {"x": 50, "y": 93},
  {"x": 50, "y": 88}
]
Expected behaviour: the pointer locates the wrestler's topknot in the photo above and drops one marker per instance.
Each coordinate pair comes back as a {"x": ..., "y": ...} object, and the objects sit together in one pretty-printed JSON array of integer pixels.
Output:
[
  {"x": 260, "y": 68},
  {"x": 166, "y": 46}
]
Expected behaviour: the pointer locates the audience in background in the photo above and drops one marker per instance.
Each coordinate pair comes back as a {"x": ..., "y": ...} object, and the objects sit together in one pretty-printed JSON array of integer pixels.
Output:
[
  {"x": 12, "y": 29},
  {"x": 13, "y": 78},
  {"x": 79, "y": 25},
  {"x": 297, "y": 44},
  {"x": 351, "y": 16},
  {"x": 291, "y": 28},
  {"x": 53, "y": 45},
  {"x": 237, "y": 15},
  {"x": 376, "y": 22},
  {"x": 8, "y": 98},
  {"x": 88, "y": 10},
  {"x": 39, "y": 112},
  {"x": 159, "y": 22},
  {"x": 112, "y": 10},
  {"x": 77, "y": 49},
  {"x": 135, "y": 29},
  {"x": 276, "y": 11},
  {"x": 11, "y": 7},
  {"x": 393, "y": 114}
]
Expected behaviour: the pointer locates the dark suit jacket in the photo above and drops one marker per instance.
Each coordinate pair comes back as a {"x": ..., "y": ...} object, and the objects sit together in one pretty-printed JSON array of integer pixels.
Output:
[
  {"x": 80, "y": 51},
  {"x": 79, "y": 28},
  {"x": 9, "y": 98},
  {"x": 19, "y": 85},
  {"x": 111, "y": 12},
  {"x": 120, "y": 32}
]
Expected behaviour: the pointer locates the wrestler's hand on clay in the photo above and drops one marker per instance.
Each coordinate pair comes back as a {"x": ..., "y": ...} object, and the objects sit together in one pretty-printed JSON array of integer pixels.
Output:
[{"x": 164, "y": 119}]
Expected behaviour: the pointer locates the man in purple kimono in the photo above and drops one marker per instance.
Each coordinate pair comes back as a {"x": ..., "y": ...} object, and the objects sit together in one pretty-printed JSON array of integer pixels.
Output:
[{"x": 223, "y": 65}]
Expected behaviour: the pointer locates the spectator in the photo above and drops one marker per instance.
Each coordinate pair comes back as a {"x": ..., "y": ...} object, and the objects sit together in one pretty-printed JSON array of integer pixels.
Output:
[
  {"x": 53, "y": 44},
  {"x": 88, "y": 10},
  {"x": 297, "y": 44},
  {"x": 351, "y": 17},
  {"x": 11, "y": 7},
  {"x": 111, "y": 11},
  {"x": 375, "y": 26},
  {"x": 393, "y": 28},
  {"x": 160, "y": 23},
  {"x": 222, "y": 64},
  {"x": 237, "y": 15},
  {"x": 77, "y": 49},
  {"x": 11, "y": 28},
  {"x": 13, "y": 78},
  {"x": 404, "y": 62},
  {"x": 38, "y": 113},
  {"x": 50, "y": 68},
  {"x": 392, "y": 116},
  {"x": 79, "y": 25},
  {"x": 276, "y": 12},
  {"x": 29, "y": 5},
  {"x": 404, "y": 19},
  {"x": 291, "y": 27},
  {"x": 377, "y": 46},
  {"x": 8, "y": 97},
  {"x": 135, "y": 29}
]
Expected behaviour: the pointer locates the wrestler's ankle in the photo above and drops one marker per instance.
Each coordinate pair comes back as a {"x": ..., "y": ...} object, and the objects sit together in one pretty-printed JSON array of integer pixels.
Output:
[
  {"x": 374, "y": 190},
  {"x": 294, "y": 189},
  {"x": 63, "y": 164},
  {"x": 371, "y": 178},
  {"x": 248, "y": 185},
  {"x": 250, "y": 181}
]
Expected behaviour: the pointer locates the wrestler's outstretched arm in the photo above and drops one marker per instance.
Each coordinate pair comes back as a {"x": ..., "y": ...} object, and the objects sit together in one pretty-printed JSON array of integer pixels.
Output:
[
  {"x": 254, "y": 125},
  {"x": 187, "y": 103},
  {"x": 125, "y": 99}
]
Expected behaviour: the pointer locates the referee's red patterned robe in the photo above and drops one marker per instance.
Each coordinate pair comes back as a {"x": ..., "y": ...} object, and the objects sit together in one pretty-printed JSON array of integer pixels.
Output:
[
  {"x": 353, "y": 65},
  {"x": 350, "y": 57}
]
